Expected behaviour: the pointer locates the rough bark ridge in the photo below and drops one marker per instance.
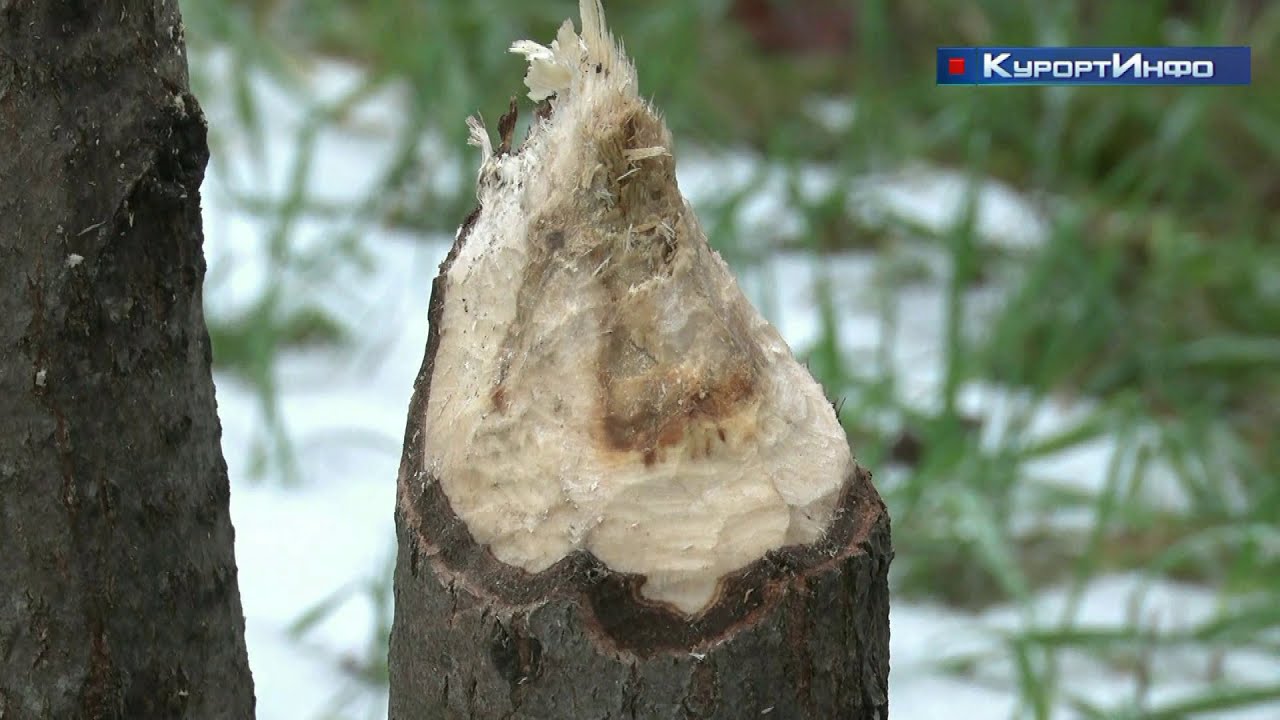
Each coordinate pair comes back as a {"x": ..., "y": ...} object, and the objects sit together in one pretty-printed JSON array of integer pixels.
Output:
[
  {"x": 118, "y": 596},
  {"x": 802, "y": 633}
]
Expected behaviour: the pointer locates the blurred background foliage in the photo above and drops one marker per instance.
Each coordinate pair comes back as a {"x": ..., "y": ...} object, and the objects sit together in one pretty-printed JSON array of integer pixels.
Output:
[{"x": 1157, "y": 292}]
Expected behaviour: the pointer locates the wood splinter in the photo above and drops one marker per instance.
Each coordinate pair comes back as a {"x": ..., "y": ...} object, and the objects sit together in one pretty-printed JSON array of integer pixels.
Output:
[{"x": 620, "y": 496}]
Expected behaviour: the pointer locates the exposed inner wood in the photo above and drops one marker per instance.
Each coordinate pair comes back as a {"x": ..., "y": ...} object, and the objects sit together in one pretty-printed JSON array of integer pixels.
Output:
[{"x": 599, "y": 382}]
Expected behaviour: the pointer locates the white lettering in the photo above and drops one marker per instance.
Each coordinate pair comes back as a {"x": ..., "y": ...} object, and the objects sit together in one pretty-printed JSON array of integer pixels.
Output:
[
  {"x": 991, "y": 64},
  {"x": 1133, "y": 64},
  {"x": 1007, "y": 65}
]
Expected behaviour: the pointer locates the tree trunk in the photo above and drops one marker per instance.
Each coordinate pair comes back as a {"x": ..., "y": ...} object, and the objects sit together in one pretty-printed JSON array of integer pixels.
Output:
[
  {"x": 118, "y": 595},
  {"x": 620, "y": 494}
]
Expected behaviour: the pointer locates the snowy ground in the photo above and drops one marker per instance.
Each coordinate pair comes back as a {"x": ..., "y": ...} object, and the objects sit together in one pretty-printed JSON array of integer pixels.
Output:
[{"x": 297, "y": 546}]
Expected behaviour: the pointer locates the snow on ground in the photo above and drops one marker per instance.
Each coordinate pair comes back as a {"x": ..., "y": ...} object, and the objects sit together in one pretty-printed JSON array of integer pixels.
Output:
[{"x": 299, "y": 546}]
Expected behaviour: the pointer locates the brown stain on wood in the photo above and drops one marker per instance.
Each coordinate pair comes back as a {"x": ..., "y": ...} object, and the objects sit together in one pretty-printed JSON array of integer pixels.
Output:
[
  {"x": 507, "y": 127},
  {"x": 646, "y": 412},
  {"x": 654, "y": 396}
]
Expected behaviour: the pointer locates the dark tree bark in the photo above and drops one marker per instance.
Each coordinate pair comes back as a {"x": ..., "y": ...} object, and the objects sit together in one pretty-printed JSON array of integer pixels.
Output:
[
  {"x": 118, "y": 595},
  {"x": 802, "y": 633}
]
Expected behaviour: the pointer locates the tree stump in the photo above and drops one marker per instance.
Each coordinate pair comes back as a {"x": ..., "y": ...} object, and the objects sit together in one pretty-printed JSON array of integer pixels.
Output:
[{"x": 620, "y": 496}]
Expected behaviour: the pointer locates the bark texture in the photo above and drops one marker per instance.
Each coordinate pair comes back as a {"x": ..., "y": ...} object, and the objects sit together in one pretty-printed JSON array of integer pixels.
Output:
[
  {"x": 118, "y": 595},
  {"x": 801, "y": 633}
]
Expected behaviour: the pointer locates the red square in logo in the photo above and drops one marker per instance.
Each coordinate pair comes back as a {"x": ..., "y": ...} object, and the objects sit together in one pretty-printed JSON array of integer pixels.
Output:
[{"x": 955, "y": 66}]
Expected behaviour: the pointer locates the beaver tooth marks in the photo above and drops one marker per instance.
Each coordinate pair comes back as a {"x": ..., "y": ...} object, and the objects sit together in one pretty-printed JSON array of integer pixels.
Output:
[{"x": 600, "y": 382}]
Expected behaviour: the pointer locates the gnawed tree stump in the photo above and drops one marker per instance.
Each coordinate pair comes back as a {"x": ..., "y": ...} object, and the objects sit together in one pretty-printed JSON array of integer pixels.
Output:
[{"x": 620, "y": 495}]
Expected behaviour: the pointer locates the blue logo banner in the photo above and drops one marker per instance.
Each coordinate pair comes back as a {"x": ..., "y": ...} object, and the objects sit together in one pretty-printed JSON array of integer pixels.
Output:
[{"x": 1093, "y": 66}]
